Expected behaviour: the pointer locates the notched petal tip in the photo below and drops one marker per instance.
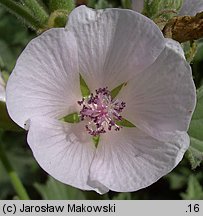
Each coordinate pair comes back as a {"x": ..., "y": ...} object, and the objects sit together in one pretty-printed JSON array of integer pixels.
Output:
[
  {"x": 27, "y": 124},
  {"x": 84, "y": 14},
  {"x": 104, "y": 51},
  {"x": 175, "y": 46}
]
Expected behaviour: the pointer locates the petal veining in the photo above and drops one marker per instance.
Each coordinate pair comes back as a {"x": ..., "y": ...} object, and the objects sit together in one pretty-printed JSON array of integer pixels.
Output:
[
  {"x": 45, "y": 80},
  {"x": 161, "y": 98},
  {"x": 114, "y": 44},
  {"x": 63, "y": 150},
  {"x": 130, "y": 160}
]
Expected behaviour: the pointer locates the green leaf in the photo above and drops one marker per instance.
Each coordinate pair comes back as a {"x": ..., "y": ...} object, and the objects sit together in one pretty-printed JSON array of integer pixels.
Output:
[
  {"x": 13, "y": 39},
  {"x": 199, "y": 53},
  {"x": 164, "y": 9},
  {"x": 123, "y": 196},
  {"x": 6, "y": 123},
  {"x": 190, "y": 50},
  {"x": 71, "y": 118},
  {"x": 83, "y": 87},
  {"x": 194, "y": 156},
  {"x": 116, "y": 90},
  {"x": 22, "y": 161},
  {"x": 195, "y": 152},
  {"x": 176, "y": 180},
  {"x": 54, "y": 190},
  {"x": 6, "y": 55},
  {"x": 194, "y": 190},
  {"x": 102, "y": 4},
  {"x": 127, "y": 4}
]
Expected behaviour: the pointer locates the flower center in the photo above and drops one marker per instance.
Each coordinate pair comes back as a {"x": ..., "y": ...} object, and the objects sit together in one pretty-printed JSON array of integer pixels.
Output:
[{"x": 101, "y": 111}]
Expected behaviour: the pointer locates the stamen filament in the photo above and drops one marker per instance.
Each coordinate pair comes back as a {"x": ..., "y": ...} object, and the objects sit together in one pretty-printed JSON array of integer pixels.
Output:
[{"x": 101, "y": 111}]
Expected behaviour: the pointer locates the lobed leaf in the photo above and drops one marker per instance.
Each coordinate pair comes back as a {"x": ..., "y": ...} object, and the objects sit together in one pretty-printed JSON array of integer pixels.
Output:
[{"x": 195, "y": 152}]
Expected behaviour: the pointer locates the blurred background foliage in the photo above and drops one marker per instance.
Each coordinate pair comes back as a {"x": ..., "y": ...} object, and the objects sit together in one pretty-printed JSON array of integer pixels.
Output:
[{"x": 184, "y": 182}]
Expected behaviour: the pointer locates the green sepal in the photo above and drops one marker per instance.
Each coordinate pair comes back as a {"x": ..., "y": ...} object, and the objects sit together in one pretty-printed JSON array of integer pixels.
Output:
[
  {"x": 116, "y": 90},
  {"x": 85, "y": 91},
  {"x": 96, "y": 140},
  {"x": 58, "y": 19},
  {"x": 72, "y": 118},
  {"x": 68, "y": 5},
  {"x": 125, "y": 123}
]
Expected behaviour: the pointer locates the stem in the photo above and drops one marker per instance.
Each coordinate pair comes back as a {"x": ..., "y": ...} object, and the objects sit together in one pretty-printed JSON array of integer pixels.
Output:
[
  {"x": 16, "y": 182},
  {"x": 22, "y": 13},
  {"x": 37, "y": 10},
  {"x": 43, "y": 5}
]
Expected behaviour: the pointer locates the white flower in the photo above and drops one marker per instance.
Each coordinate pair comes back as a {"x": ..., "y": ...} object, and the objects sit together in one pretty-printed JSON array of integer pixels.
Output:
[
  {"x": 108, "y": 48},
  {"x": 2, "y": 89},
  {"x": 189, "y": 7}
]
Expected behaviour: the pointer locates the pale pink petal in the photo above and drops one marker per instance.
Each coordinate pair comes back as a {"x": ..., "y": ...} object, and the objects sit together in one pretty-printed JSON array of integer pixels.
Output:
[
  {"x": 65, "y": 151},
  {"x": 161, "y": 98},
  {"x": 45, "y": 80},
  {"x": 129, "y": 160},
  {"x": 138, "y": 5},
  {"x": 175, "y": 46},
  {"x": 114, "y": 44},
  {"x": 2, "y": 89},
  {"x": 191, "y": 7}
]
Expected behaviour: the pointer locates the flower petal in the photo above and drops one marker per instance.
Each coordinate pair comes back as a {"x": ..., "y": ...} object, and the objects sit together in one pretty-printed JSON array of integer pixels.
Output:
[
  {"x": 113, "y": 44},
  {"x": 191, "y": 7},
  {"x": 2, "y": 89},
  {"x": 62, "y": 150},
  {"x": 161, "y": 98},
  {"x": 129, "y": 160},
  {"x": 138, "y": 5},
  {"x": 175, "y": 46},
  {"x": 45, "y": 80}
]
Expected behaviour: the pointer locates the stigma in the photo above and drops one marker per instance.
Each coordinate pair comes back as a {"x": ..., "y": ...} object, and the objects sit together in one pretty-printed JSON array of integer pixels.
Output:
[{"x": 101, "y": 112}]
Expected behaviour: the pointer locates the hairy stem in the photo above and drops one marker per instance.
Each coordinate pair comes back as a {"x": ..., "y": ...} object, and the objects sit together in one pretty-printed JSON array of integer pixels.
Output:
[
  {"x": 37, "y": 10},
  {"x": 22, "y": 13}
]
